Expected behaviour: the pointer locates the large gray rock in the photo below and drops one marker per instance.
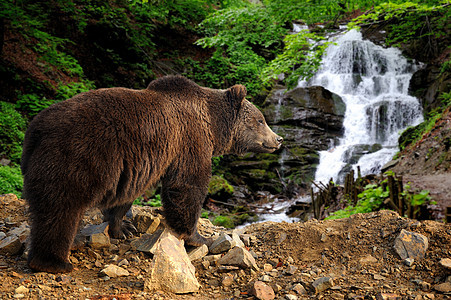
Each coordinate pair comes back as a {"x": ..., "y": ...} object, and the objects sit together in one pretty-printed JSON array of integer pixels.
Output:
[
  {"x": 10, "y": 245},
  {"x": 222, "y": 244},
  {"x": 411, "y": 245},
  {"x": 171, "y": 269},
  {"x": 239, "y": 257}
]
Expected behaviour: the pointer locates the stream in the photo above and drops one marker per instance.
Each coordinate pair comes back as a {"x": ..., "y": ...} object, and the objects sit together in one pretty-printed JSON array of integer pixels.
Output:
[{"x": 373, "y": 83}]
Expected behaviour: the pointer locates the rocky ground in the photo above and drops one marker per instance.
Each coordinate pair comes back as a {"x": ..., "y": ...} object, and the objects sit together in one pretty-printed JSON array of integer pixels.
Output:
[{"x": 353, "y": 258}]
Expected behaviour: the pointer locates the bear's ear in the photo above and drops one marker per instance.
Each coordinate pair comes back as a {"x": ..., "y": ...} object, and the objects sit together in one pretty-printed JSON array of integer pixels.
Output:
[{"x": 236, "y": 94}]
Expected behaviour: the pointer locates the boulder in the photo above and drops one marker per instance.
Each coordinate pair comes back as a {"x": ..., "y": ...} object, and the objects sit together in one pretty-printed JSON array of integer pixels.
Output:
[
  {"x": 171, "y": 269},
  {"x": 411, "y": 245}
]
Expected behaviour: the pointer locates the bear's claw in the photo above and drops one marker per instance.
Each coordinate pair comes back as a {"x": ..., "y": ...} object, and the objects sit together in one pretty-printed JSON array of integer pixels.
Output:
[{"x": 126, "y": 230}]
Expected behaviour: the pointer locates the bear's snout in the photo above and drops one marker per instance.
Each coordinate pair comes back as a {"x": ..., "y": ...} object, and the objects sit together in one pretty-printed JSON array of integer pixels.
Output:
[{"x": 279, "y": 139}]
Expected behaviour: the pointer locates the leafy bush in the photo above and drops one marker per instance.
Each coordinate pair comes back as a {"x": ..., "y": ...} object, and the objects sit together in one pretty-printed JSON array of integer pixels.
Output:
[
  {"x": 11, "y": 180},
  {"x": 12, "y": 128},
  {"x": 223, "y": 221},
  {"x": 370, "y": 200}
]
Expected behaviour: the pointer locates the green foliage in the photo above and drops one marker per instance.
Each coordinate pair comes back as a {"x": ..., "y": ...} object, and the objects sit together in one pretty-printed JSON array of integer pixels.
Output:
[
  {"x": 245, "y": 36},
  {"x": 409, "y": 20},
  {"x": 11, "y": 180},
  {"x": 370, "y": 200},
  {"x": 12, "y": 128},
  {"x": 300, "y": 58},
  {"x": 32, "y": 103},
  {"x": 155, "y": 201}
]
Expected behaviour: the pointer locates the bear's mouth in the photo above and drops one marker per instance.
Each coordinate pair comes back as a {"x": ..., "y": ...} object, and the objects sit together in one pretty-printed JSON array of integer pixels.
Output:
[{"x": 270, "y": 148}]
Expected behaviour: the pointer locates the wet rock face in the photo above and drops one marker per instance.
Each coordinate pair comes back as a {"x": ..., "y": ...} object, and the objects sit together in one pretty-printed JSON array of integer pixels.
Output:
[
  {"x": 428, "y": 84},
  {"x": 310, "y": 120}
]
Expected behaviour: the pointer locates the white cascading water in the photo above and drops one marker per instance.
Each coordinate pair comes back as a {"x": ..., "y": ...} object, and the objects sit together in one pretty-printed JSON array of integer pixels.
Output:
[{"x": 373, "y": 82}]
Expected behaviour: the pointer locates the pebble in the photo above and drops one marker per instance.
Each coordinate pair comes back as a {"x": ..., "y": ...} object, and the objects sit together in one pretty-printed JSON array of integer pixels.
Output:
[
  {"x": 262, "y": 291},
  {"x": 443, "y": 287},
  {"x": 10, "y": 245},
  {"x": 227, "y": 280},
  {"x": 113, "y": 271},
  {"x": 299, "y": 289},
  {"x": 21, "y": 290},
  {"x": 322, "y": 284},
  {"x": 267, "y": 267},
  {"x": 291, "y": 297},
  {"x": 290, "y": 270},
  {"x": 446, "y": 263},
  {"x": 198, "y": 253}
]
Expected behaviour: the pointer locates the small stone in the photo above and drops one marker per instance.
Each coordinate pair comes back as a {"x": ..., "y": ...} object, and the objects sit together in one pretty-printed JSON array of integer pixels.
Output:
[
  {"x": 323, "y": 237},
  {"x": 123, "y": 248},
  {"x": 443, "y": 287},
  {"x": 145, "y": 222},
  {"x": 290, "y": 270},
  {"x": 266, "y": 278},
  {"x": 262, "y": 291},
  {"x": 369, "y": 259},
  {"x": 446, "y": 263},
  {"x": 2, "y": 235},
  {"x": 238, "y": 257},
  {"x": 97, "y": 235},
  {"x": 378, "y": 277},
  {"x": 299, "y": 289},
  {"x": 387, "y": 296},
  {"x": 113, "y": 271},
  {"x": 21, "y": 290},
  {"x": 10, "y": 245},
  {"x": 222, "y": 244},
  {"x": 227, "y": 280},
  {"x": 123, "y": 262},
  {"x": 322, "y": 284},
  {"x": 276, "y": 287},
  {"x": 246, "y": 239},
  {"x": 273, "y": 262},
  {"x": 227, "y": 268},
  {"x": 411, "y": 245},
  {"x": 290, "y": 260},
  {"x": 212, "y": 258},
  {"x": 291, "y": 297},
  {"x": 409, "y": 261},
  {"x": 267, "y": 267},
  {"x": 198, "y": 253},
  {"x": 337, "y": 296},
  {"x": 236, "y": 238}
]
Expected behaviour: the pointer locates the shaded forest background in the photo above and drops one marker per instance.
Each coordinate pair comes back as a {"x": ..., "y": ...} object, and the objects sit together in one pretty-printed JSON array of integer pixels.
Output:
[{"x": 53, "y": 50}]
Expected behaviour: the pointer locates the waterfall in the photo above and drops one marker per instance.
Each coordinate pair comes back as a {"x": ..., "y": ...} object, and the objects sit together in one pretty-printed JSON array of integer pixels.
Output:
[{"x": 373, "y": 82}]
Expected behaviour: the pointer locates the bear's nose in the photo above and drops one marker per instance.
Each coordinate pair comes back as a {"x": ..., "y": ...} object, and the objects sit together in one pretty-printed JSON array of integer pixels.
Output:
[{"x": 279, "y": 139}]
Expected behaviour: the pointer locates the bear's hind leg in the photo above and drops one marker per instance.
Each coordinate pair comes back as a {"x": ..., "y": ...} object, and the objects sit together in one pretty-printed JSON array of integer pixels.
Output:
[
  {"x": 118, "y": 227},
  {"x": 52, "y": 233}
]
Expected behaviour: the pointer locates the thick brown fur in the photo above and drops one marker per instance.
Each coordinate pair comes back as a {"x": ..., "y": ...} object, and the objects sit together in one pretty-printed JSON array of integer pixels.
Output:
[{"x": 106, "y": 147}]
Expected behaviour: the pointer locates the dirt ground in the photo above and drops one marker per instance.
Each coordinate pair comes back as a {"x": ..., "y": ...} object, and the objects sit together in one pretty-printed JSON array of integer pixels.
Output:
[{"x": 357, "y": 253}]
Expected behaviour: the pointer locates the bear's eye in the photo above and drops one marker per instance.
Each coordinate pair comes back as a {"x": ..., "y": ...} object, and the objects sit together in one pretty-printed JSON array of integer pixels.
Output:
[{"x": 260, "y": 121}]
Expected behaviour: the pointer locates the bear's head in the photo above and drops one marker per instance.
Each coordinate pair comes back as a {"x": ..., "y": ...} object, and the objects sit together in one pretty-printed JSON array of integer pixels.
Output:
[{"x": 251, "y": 133}]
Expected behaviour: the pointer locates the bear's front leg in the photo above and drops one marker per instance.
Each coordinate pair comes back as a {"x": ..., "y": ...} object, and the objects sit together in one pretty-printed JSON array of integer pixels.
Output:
[
  {"x": 182, "y": 204},
  {"x": 118, "y": 227}
]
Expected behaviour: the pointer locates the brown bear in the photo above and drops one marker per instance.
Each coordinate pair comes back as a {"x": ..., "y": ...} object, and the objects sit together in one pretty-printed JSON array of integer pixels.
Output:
[{"x": 106, "y": 147}]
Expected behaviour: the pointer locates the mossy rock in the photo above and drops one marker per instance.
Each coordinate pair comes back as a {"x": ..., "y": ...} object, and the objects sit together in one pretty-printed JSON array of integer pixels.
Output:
[{"x": 219, "y": 187}]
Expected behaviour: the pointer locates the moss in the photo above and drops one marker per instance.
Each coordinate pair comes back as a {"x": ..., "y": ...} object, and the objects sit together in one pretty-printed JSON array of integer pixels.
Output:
[
  {"x": 219, "y": 187},
  {"x": 224, "y": 221}
]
